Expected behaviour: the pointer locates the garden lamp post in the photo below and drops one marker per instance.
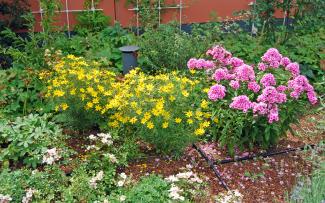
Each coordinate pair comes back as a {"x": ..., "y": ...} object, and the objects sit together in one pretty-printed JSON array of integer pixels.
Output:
[{"x": 129, "y": 58}]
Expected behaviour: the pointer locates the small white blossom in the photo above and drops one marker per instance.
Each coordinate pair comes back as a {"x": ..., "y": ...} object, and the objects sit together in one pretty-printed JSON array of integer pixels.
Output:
[
  {"x": 28, "y": 196},
  {"x": 123, "y": 175},
  {"x": 112, "y": 158},
  {"x": 93, "y": 181},
  {"x": 51, "y": 156},
  {"x": 120, "y": 183},
  {"x": 122, "y": 198},
  {"x": 92, "y": 137},
  {"x": 5, "y": 198},
  {"x": 174, "y": 193},
  {"x": 172, "y": 179},
  {"x": 232, "y": 196}
]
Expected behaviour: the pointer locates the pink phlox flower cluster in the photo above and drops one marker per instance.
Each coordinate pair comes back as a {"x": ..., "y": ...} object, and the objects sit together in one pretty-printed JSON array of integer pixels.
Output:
[
  {"x": 262, "y": 66},
  {"x": 241, "y": 102},
  {"x": 260, "y": 108},
  {"x": 221, "y": 74},
  {"x": 236, "y": 62},
  {"x": 271, "y": 96},
  {"x": 244, "y": 73},
  {"x": 234, "y": 84},
  {"x": 200, "y": 64},
  {"x": 285, "y": 61},
  {"x": 273, "y": 114},
  {"x": 253, "y": 86},
  {"x": 281, "y": 88},
  {"x": 293, "y": 68},
  {"x": 300, "y": 85},
  {"x": 217, "y": 92},
  {"x": 272, "y": 57},
  {"x": 268, "y": 80},
  {"x": 220, "y": 54}
]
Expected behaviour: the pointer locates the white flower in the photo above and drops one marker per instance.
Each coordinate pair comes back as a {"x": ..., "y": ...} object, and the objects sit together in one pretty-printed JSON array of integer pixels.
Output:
[
  {"x": 112, "y": 158},
  {"x": 51, "y": 156},
  {"x": 93, "y": 181},
  {"x": 172, "y": 179},
  {"x": 120, "y": 183},
  {"x": 122, "y": 198},
  {"x": 185, "y": 175},
  {"x": 5, "y": 198},
  {"x": 232, "y": 196},
  {"x": 123, "y": 175},
  {"x": 174, "y": 193},
  {"x": 92, "y": 137},
  {"x": 28, "y": 196}
]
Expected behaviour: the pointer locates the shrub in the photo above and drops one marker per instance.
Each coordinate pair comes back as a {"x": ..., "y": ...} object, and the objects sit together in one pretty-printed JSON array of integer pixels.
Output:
[
  {"x": 255, "y": 105},
  {"x": 168, "y": 48},
  {"x": 166, "y": 110},
  {"x": 77, "y": 88},
  {"x": 28, "y": 138}
]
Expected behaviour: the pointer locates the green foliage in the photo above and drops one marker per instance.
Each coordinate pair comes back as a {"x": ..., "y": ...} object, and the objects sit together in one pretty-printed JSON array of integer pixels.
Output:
[
  {"x": 91, "y": 20},
  {"x": 27, "y": 138},
  {"x": 19, "y": 92},
  {"x": 150, "y": 189},
  {"x": 168, "y": 48}
]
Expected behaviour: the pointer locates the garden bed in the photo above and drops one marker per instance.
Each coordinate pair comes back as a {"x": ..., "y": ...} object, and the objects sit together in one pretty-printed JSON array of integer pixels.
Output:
[{"x": 259, "y": 180}]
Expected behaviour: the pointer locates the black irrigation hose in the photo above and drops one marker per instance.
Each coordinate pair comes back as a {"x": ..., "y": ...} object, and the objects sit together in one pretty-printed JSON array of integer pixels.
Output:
[
  {"x": 212, "y": 166},
  {"x": 265, "y": 154}
]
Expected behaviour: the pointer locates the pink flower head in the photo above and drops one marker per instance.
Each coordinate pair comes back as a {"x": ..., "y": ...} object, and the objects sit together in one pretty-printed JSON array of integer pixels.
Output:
[
  {"x": 268, "y": 80},
  {"x": 285, "y": 61},
  {"x": 245, "y": 73},
  {"x": 269, "y": 95},
  {"x": 273, "y": 114},
  {"x": 217, "y": 92},
  {"x": 236, "y": 62},
  {"x": 220, "y": 74},
  {"x": 234, "y": 84},
  {"x": 241, "y": 103},
  {"x": 281, "y": 88},
  {"x": 260, "y": 108},
  {"x": 312, "y": 97},
  {"x": 220, "y": 54},
  {"x": 200, "y": 64},
  {"x": 273, "y": 57},
  {"x": 293, "y": 68},
  {"x": 262, "y": 66},
  {"x": 299, "y": 85},
  {"x": 254, "y": 86}
]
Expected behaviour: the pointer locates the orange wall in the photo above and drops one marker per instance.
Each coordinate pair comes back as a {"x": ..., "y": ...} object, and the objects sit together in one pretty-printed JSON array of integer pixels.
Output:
[{"x": 195, "y": 11}]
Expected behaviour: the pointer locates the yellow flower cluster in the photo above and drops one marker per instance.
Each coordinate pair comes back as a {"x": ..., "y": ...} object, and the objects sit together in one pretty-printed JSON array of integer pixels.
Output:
[
  {"x": 74, "y": 80},
  {"x": 159, "y": 102},
  {"x": 156, "y": 103}
]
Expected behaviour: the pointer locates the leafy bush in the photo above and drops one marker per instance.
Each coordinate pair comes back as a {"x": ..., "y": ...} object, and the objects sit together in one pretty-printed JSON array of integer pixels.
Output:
[
  {"x": 75, "y": 86},
  {"x": 254, "y": 105},
  {"x": 165, "y": 110},
  {"x": 169, "y": 48},
  {"x": 19, "y": 92},
  {"x": 28, "y": 138}
]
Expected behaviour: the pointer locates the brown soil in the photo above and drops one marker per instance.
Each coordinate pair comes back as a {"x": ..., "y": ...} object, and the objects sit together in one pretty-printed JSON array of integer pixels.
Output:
[{"x": 259, "y": 180}]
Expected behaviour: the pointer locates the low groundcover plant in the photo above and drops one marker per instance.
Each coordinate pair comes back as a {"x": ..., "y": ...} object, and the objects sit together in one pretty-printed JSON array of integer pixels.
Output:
[{"x": 255, "y": 104}]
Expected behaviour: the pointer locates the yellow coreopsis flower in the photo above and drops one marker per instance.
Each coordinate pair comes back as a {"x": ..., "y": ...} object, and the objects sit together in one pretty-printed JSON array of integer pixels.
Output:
[
  {"x": 178, "y": 120},
  {"x": 172, "y": 98},
  {"x": 189, "y": 114},
  {"x": 64, "y": 106},
  {"x": 204, "y": 104},
  {"x": 58, "y": 93},
  {"x": 133, "y": 120},
  {"x": 165, "y": 125},
  {"x": 150, "y": 125},
  {"x": 190, "y": 121},
  {"x": 199, "y": 131}
]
